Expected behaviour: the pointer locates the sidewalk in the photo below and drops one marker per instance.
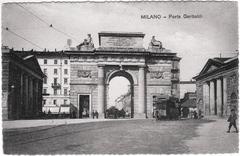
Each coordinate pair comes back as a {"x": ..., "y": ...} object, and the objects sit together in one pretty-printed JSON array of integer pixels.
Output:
[
  {"x": 212, "y": 138},
  {"x": 49, "y": 122}
]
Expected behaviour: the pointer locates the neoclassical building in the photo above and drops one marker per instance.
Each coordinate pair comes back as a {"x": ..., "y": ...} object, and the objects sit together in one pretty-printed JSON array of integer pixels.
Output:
[
  {"x": 217, "y": 86},
  {"x": 22, "y": 80},
  {"x": 152, "y": 72}
]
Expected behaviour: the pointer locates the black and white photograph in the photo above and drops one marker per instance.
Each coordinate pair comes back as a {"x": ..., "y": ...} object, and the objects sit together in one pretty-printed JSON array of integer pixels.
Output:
[{"x": 119, "y": 77}]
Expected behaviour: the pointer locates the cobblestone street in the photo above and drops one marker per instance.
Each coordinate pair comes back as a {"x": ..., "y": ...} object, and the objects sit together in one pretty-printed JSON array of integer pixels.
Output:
[{"x": 123, "y": 137}]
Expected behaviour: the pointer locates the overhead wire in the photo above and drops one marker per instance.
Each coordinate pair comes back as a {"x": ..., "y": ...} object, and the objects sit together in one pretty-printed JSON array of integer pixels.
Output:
[
  {"x": 36, "y": 45},
  {"x": 45, "y": 22}
]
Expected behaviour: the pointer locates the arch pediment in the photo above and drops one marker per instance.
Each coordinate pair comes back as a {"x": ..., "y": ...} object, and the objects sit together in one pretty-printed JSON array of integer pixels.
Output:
[{"x": 211, "y": 65}]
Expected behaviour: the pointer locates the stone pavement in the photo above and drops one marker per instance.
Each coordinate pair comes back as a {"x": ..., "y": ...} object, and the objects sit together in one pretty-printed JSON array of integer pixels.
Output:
[
  {"x": 14, "y": 124},
  {"x": 212, "y": 138}
]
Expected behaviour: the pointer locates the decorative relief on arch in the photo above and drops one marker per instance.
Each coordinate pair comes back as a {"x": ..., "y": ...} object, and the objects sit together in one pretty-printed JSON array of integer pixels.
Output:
[
  {"x": 84, "y": 73},
  {"x": 156, "y": 75}
]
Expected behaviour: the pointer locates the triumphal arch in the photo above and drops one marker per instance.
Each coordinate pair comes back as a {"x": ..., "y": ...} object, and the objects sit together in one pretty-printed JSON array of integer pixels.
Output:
[{"x": 152, "y": 72}]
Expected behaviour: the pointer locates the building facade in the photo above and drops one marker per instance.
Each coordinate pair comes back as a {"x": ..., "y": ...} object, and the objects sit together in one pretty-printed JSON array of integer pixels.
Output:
[
  {"x": 56, "y": 83},
  {"x": 21, "y": 86},
  {"x": 217, "y": 86},
  {"x": 56, "y": 86}
]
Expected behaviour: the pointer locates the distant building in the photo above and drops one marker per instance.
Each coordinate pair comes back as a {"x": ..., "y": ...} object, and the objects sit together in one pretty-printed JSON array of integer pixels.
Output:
[
  {"x": 188, "y": 103},
  {"x": 21, "y": 86},
  {"x": 189, "y": 100},
  {"x": 124, "y": 102},
  {"x": 217, "y": 86},
  {"x": 187, "y": 86}
]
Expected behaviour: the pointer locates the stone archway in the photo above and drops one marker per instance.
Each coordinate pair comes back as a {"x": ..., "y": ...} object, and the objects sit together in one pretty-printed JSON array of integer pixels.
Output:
[{"x": 129, "y": 77}]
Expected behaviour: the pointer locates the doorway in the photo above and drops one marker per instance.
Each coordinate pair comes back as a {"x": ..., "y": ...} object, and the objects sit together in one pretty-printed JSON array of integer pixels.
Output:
[{"x": 84, "y": 105}]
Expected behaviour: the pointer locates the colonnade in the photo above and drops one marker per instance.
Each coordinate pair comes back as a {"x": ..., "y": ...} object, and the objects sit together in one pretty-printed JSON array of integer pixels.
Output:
[
  {"x": 215, "y": 96},
  {"x": 30, "y": 92}
]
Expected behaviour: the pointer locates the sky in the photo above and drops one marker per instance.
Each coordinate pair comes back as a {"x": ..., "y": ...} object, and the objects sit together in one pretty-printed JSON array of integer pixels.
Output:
[
  {"x": 116, "y": 90},
  {"x": 194, "y": 40}
]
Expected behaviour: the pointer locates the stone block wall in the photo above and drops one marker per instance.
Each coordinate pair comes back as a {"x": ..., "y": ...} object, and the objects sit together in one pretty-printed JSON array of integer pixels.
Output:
[
  {"x": 91, "y": 90},
  {"x": 5, "y": 85}
]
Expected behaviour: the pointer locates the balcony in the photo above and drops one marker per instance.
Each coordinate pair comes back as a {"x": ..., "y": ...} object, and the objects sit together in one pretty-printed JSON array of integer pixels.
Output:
[
  {"x": 174, "y": 70},
  {"x": 56, "y": 85}
]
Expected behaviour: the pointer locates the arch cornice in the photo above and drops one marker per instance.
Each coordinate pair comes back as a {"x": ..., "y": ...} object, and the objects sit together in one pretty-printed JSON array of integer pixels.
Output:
[{"x": 130, "y": 76}]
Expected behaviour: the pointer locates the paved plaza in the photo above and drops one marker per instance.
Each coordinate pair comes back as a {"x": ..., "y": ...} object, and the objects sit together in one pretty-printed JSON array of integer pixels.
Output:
[{"x": 123, "y": 137}]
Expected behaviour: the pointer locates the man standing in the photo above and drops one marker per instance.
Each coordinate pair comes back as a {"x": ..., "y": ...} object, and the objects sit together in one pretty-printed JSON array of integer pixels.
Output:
[{"x": 232, "y": 121}]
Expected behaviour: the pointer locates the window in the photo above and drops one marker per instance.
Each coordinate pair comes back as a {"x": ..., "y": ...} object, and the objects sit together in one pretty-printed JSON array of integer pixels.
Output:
[
  {"x": 44, "y": 102},
  {"x": 65, "y": 91},
  {"x": 55, "y": 80},
  {"x": 65, "y": 71},
  {"x": 65, "y": 61},
  {"x": 65, "y": 81},
  {"x": 55, "y": 71},
  {"x": 45, "y": 61},
  {"x": 55, "y": 91},
  {"x": 45, "y": 91},
  {"x": 45, "y": 80},
  {"x": 65, "y": 102},
  {"x": 55, "y": 61},
  {"x": 45, "y": 71},
  {"x": 54, "y": 102}
]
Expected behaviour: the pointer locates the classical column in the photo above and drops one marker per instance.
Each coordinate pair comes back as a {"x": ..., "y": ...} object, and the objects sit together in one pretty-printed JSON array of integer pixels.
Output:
[
  {"x": 219, "y": 97},
  {"x": 212, "y": 98},
  {"x": 101, "y": 91},
  {"x": 36, "y": 98},
  {"x": 225, "y": 105},
  {"x": 30, "y": 96},
  {"x": 206, "y": 106},
  {"x": 26, "y": 95},
  {"x": 21, "y": 95},
  {"x": 141, "y": 92}
]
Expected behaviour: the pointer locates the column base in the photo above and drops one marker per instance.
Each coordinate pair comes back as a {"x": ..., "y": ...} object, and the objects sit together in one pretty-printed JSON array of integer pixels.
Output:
[{"x": 140, "y": 116}]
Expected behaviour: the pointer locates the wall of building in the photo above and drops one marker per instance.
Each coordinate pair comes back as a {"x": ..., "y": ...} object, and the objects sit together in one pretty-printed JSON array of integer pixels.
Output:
[
  {"x": 158, "y": 82},
  {"x": 5, "y": 83},
  {"x": 84, "y": 79},
  {"x": 62, "y": 63}
]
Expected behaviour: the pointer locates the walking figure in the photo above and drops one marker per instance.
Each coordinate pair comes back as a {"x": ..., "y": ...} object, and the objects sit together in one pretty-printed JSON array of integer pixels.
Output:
[
  {"x": 96, "y": 114},
  {"x": 93, "y": 114},
  {"x": 232, "y": 121}
]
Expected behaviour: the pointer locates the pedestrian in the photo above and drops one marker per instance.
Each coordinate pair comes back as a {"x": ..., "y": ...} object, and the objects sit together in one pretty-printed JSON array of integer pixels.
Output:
[
  {"x": 232, "y": 121},
  {"x": 96, "y": 113},
  {"x": 195, "y": 115},
  {"x": 93, "y": 114}
]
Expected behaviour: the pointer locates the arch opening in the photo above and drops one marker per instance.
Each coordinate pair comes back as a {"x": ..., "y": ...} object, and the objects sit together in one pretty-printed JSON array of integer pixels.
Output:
[{"x": 120, "y": 95}]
